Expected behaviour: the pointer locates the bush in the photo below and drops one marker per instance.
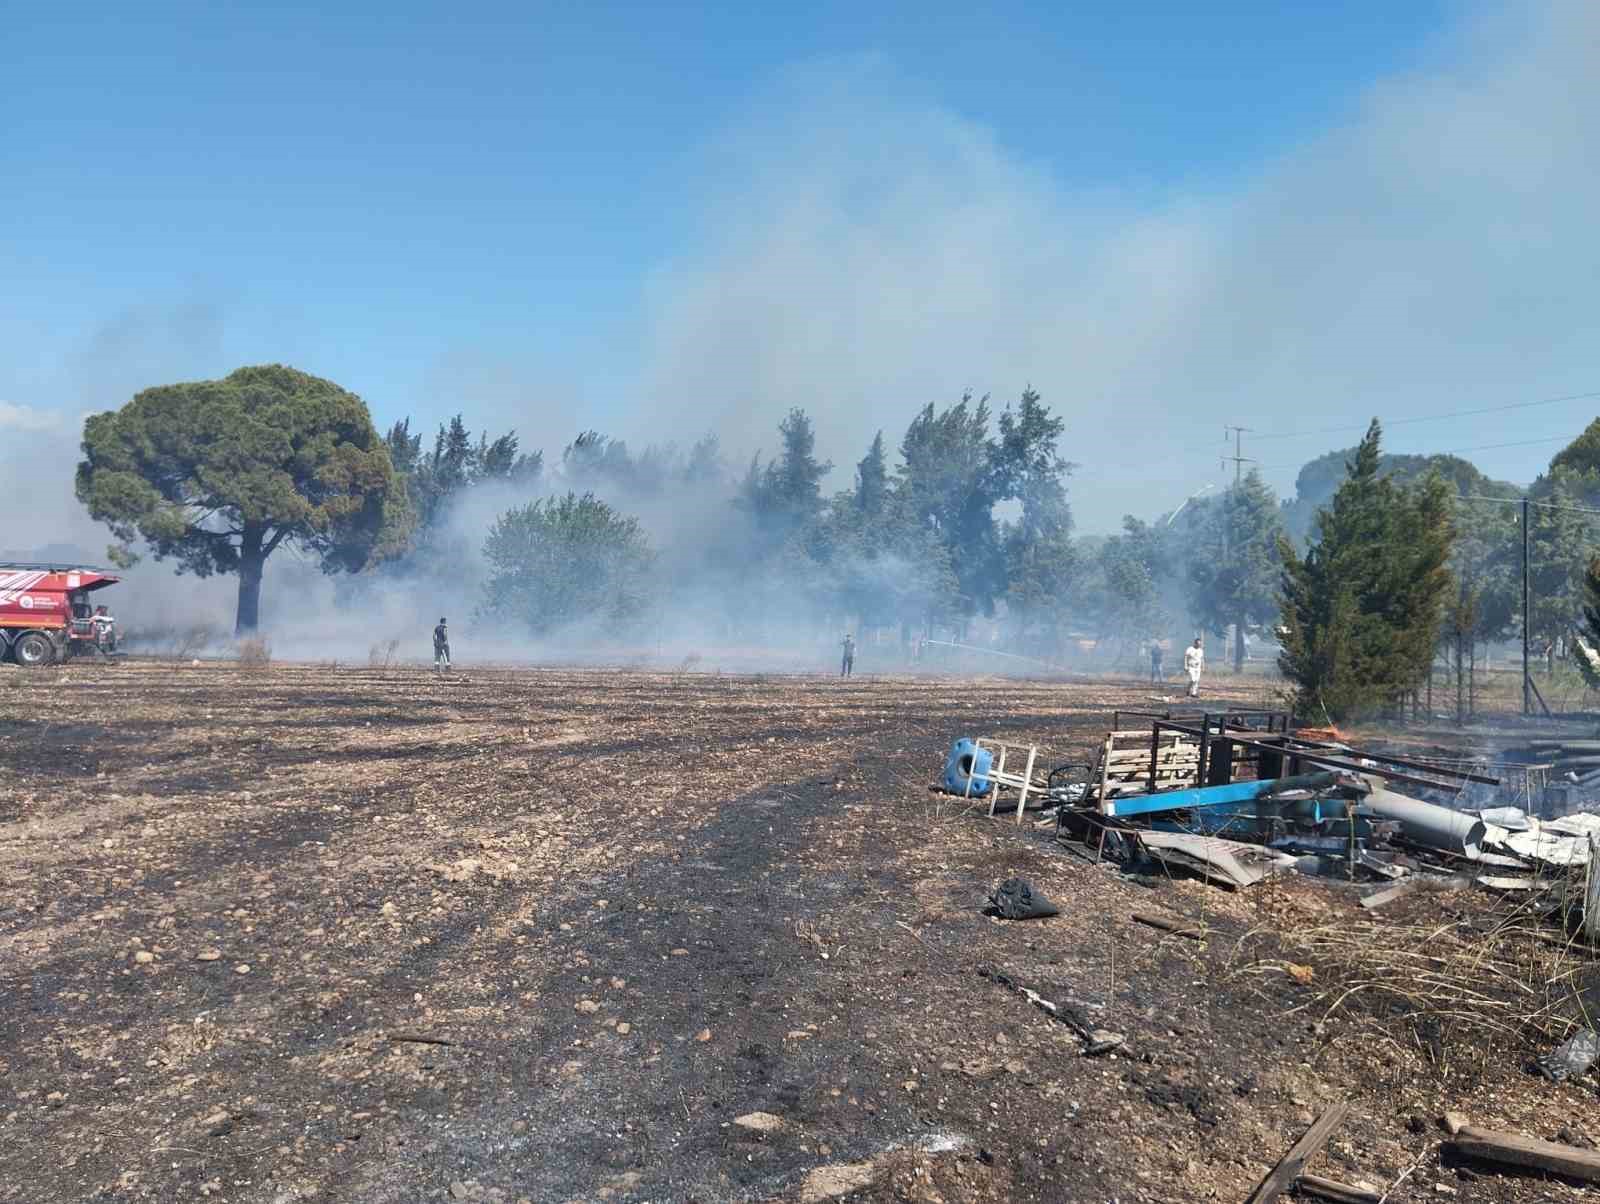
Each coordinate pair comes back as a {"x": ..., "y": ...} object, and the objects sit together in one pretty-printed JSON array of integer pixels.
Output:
[
  {"x": 381, "y": 656},
  {"x": 566, "y": 561},
  {"x": 255, "y": 653}
]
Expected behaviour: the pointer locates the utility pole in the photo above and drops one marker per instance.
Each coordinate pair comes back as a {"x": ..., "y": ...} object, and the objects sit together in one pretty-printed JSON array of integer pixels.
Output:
[
  {"x": 1239, "y": 458},
  {"x": 1239, "y": 461},
  {"x": 1527, "y": 703}
]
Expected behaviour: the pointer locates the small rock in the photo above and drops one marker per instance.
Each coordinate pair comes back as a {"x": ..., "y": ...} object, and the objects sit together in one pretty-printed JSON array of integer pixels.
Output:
[
  {"x": 144, "y": 957},
  {"x": 703, "y": 1035},
  {"x": 624, "y": 1029},
  {"x": 618, "y": 983},
  {"x": 208, "y": 955},
  {"x": 835, "y": 1182},
  {"x": 759, "y": 1122},
  {"x": 680, "y": 952},
  {"x": 459, "y": 1190},
  {"x": 909, "y": 1084},
  {"x": 389, "y": 909},
  {"x": 242, "y": 968},
  {"x": 55, "y": 1099},
  {"x": 797, "y": 1034},
  {"x": 587, "y": 1006}
]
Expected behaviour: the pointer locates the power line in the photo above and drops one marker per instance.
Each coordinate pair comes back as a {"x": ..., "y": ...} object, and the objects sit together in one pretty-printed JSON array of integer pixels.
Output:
[
  {"x": 1461, "y": 451},
  {"x": 1458, "y": 451},
  {"x": 1517, "y": 501},
  {"x": 1519, "y": 405}
]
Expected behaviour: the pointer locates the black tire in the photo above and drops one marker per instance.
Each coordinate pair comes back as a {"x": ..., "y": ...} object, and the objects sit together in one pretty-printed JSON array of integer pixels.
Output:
[{"x": 32, "y": 649}]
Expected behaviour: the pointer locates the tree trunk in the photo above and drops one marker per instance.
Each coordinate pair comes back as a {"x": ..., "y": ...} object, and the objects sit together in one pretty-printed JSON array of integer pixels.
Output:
[
  {"x": 1472, "y": 680},
  {"x": 252, "y": 559}
]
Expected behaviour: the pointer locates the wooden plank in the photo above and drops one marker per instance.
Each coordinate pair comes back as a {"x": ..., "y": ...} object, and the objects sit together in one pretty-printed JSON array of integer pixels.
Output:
[
  {"x": 1027, "y": 779},
  {"x": 1514, "y": 1149},
  {"x": 1340, "y": 1193},
  {"x": 1176, "y": 927},
  {"x": 1291, "y": 1164},
  {"x": 1105, "y": 771}
]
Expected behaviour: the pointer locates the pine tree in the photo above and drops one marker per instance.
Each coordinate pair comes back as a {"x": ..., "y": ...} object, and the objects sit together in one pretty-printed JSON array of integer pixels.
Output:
[
  {"x": 1362, "y": 608},
  {"x": 872, "y": 480}
]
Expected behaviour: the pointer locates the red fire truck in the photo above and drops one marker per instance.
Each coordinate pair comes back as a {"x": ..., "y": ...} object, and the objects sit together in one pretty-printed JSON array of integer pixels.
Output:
[{"x": 45, "y": 614}]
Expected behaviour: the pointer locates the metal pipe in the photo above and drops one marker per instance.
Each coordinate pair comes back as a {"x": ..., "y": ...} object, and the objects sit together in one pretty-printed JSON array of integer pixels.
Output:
[{"x": 1428, "y": 823}]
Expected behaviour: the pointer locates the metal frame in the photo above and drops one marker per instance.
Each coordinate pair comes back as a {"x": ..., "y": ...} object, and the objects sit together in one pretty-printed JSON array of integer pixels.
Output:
[{"x": 998, "y": 776}]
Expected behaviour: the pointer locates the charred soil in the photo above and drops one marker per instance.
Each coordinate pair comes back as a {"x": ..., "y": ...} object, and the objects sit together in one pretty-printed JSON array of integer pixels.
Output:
[{"x": 317, "y": 934}]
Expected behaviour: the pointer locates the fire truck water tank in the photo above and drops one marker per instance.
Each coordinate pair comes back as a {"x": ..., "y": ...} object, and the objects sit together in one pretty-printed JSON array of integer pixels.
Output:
[{"x": 967, "y": 760}]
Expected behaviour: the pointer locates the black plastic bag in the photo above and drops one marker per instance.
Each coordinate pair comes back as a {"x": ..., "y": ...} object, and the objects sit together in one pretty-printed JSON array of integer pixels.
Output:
[{"x": 1015, "y": 899}]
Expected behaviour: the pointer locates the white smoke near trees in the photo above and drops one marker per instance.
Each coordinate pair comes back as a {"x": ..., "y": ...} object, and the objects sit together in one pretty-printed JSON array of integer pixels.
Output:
[{"x": 867, "y": 250}]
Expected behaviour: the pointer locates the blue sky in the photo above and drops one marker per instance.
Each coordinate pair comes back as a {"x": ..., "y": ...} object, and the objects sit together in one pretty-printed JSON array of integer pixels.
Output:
[{"x": 631, "y": 217}]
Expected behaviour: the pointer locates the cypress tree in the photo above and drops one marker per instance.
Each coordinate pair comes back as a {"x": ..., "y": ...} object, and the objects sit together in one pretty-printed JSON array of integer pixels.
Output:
[{"x": 1362, "y": 608}]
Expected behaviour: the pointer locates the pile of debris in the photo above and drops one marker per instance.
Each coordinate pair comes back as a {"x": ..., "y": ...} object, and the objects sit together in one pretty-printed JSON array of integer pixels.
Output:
[{"x": 1236, "y": 796}]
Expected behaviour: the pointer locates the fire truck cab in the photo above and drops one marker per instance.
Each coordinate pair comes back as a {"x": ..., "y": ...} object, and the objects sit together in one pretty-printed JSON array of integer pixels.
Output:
[{"x": 46, "y": 616}]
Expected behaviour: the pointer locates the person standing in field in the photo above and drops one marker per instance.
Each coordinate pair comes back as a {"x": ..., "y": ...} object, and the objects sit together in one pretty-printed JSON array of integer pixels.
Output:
[
  {"x": 847, "y": 666},
  {"x": 441, "y": 647},
  {"x": 105, "y": 630},
  {"x": 1194, "y": 663},
  {"x": 1157, "y": 672}
]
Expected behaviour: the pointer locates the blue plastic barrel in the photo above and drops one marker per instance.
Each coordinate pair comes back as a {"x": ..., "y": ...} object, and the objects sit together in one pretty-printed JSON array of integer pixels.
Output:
[{"x": 967, "y": 760}]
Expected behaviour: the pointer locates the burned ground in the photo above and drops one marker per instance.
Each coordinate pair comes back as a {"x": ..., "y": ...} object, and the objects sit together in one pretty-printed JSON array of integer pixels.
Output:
[{"x": 295, "y": 934}]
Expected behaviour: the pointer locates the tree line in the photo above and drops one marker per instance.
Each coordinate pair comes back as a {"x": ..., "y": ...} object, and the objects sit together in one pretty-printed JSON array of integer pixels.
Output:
[{"x": 1374, "y": 565}]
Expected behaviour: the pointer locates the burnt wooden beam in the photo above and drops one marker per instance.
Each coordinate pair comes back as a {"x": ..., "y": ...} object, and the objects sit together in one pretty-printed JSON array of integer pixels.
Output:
[{"x": 1291, "y": 1164}]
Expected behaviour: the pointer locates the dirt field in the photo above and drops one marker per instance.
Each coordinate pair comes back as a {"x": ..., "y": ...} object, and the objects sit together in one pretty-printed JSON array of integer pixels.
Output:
[{"x": 319, "y": 934}]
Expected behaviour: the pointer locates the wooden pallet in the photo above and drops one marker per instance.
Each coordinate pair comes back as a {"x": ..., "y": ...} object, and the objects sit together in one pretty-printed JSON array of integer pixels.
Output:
[{"x": 1128, "y": 762}]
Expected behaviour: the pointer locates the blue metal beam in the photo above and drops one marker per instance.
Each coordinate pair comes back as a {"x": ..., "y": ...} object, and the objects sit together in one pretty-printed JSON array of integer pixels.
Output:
[{"x": 1214, "y": 796}]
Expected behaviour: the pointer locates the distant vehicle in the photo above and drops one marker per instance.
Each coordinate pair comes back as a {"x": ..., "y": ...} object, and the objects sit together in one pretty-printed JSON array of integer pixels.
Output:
[{"x": 45, "y": 615}]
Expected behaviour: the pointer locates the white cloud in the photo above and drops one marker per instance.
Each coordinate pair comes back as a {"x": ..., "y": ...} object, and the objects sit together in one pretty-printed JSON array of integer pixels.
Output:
[{"x": 866, "y": 252}]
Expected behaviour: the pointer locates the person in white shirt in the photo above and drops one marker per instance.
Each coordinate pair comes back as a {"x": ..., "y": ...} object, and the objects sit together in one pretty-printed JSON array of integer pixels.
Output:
[
  {"x": 1194, "y": 660},
  {"x": 105, "y": 629}
]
